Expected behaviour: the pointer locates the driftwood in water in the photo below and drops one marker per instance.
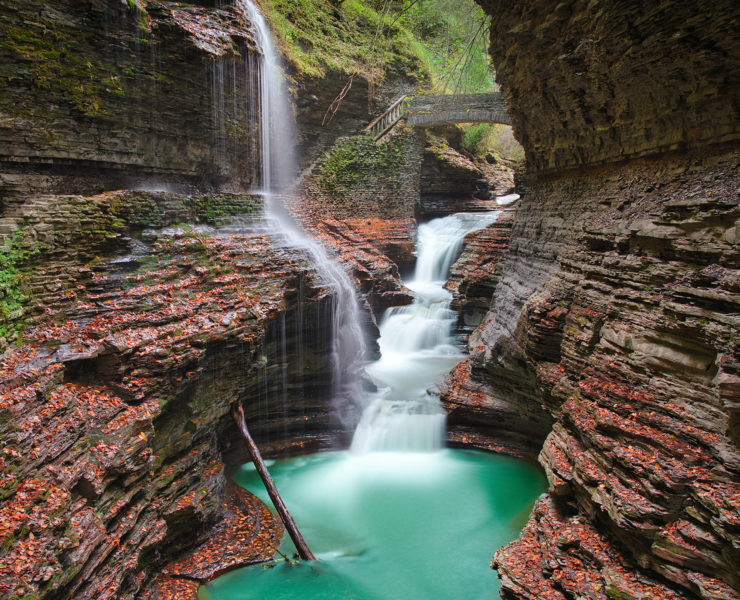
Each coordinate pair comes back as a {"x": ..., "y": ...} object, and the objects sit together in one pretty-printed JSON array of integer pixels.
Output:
[{"x": 303, "y": 550}]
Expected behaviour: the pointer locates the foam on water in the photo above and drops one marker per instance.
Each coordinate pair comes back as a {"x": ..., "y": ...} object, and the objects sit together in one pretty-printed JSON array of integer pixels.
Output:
[{"x": 508, "y": 199}]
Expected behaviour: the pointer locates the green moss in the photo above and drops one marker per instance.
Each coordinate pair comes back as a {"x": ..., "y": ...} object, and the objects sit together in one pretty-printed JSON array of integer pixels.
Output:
[
  {"x": 354, "y": 159},
  {"x": 215, "y": 209},
  {"x": 147, "y": 210},
  {"x": 140, "y": 210},
  {"x": 60, "y": 63},
  {"x": 12, "y": 299},
  {"x": 7, "y": 543},
  {"x": 614, "y": 593}
]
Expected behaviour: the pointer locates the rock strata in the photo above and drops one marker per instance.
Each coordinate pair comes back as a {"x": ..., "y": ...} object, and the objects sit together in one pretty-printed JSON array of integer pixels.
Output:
[
  {"x": 115, "y": 410},
  {"x": 592, "y": 83},
  {"x": 248, "y": 534},
  {"x": 620, "y": 320},
  {"x": 616, "y": 307},
  {"x": 451, "y": 182},
  {"x": 108, "y": 94},
  {"x": 473, "y": 277}
]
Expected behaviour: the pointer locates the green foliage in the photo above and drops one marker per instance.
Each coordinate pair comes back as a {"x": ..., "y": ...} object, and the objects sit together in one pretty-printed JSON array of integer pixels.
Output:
[
  {"x": 484, "y": 138},
  {"x": 345, "y": 36},
  {"x": 501, "y": 141},
  {"x": 475, "y": 138},
  {"x": 442, "y": 43},
  {"x": 454, "y": 34}
]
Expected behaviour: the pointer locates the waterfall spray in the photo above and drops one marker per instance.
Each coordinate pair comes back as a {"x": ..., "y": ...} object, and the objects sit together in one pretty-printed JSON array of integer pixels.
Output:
[{"x": 279, "y": 170}]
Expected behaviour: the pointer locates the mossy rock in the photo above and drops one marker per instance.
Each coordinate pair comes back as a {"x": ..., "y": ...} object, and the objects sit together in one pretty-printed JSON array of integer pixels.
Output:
[{"x": 353, "y": 160}]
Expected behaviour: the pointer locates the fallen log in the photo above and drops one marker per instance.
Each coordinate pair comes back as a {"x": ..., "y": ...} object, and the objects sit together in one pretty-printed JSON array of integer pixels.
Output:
[{"x": 303, "y": 550}]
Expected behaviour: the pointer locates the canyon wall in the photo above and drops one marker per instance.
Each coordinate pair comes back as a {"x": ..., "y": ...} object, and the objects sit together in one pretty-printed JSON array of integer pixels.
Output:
[
  {"x": 615, "y": 311},
  {"x": 596, "y": 82},
  {"x": 104, "y": 94},
  {"x": 139, "y": 334}
]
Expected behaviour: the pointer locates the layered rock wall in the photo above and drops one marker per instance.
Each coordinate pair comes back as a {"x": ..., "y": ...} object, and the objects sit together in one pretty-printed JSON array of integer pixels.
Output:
[
  {"x": 106, "y": 94},
  {"x": 129, "y": 325},
  {"x": 115, "y": 409},
  {"x": 592, "y": 82},
  {"x": 615, "y": 311},
  {"x": 372, "y": 188},
  {"x": 628, "y": 341},
  {"x": 129, "y": 328}
]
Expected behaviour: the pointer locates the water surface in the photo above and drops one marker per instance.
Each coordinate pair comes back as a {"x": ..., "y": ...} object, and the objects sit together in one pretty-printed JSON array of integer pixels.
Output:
[{"x": 391, "y": 526}]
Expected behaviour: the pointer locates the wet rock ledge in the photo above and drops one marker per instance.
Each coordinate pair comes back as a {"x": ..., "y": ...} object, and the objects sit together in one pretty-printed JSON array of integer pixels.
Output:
[
  {"x": 114, "y": 411},
  {"x": 107, "y": 94}
]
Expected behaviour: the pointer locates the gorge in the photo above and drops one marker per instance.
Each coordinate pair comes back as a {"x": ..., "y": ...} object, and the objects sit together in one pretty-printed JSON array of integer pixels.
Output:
[{"x": 143, "y": 290}]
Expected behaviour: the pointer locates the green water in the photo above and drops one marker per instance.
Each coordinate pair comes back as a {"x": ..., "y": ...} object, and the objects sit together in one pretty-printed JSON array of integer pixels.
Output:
[{"x": 391, "y": 526}]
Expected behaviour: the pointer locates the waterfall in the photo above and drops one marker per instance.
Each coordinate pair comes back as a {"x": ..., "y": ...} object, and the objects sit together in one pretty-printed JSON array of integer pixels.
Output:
[
  {"x": 279, "y": 171},
  {"x": 417, "y": 342},
  {"x": 277, "y": 124},
  {"x": 417, "y": 346}
]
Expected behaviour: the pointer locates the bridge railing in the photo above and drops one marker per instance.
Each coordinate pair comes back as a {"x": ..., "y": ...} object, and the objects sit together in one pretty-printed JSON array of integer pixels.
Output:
[
  {"x": 428, "y": 111},
  {"x": 383, "y": 123}
]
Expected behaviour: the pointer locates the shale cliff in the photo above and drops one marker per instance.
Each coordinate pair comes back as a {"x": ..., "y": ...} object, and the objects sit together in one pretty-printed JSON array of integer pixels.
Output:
[
  {"x": 104, "y": 94},
  {"x": 115, "y": 408},
  {"x": 615, "y": 311}
]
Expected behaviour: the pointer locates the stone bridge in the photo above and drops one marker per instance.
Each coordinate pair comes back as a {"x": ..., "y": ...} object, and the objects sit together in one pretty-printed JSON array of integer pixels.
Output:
[{"x": 428, "y": 111}]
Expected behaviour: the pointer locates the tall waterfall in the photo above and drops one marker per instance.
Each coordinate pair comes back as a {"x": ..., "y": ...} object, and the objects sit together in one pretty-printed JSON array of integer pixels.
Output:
[
  {"x": 416, "y": 342},
  {"x": 277, "y": 124},
  {"x": 279, "y": 169},
  {"x": 417, "y": 347}
]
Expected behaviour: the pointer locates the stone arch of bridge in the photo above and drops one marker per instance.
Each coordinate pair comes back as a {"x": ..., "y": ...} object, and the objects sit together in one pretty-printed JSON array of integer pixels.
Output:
[{"x": 429, "y": 111}]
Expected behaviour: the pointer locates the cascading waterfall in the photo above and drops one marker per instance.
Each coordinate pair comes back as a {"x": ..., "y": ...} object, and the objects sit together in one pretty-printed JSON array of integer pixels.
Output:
[
  {"x": 279, "y": 170},
  {"x": 417, "y": 346},
  {"x": 416, "y": 342},
  {"x": 427, "y": 521},
  {"x": 368, "y": 512}
]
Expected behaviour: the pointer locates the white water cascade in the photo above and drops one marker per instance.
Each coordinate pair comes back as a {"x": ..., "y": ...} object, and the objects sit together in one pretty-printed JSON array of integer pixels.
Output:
[
  {"x": 417, "y": 347},
  {"x": 279, "y": 170},
  {"x": 416, "y": 342}
]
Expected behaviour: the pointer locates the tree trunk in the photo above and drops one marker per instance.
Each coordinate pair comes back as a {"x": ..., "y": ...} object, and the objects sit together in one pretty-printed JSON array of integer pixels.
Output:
[{"x": 303, "y": 550}]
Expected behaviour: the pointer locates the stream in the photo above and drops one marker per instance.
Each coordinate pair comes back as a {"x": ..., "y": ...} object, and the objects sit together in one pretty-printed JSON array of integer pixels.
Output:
[
  {"x": 418, "y": 346},
  {"x": 396, "y": 516}
]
